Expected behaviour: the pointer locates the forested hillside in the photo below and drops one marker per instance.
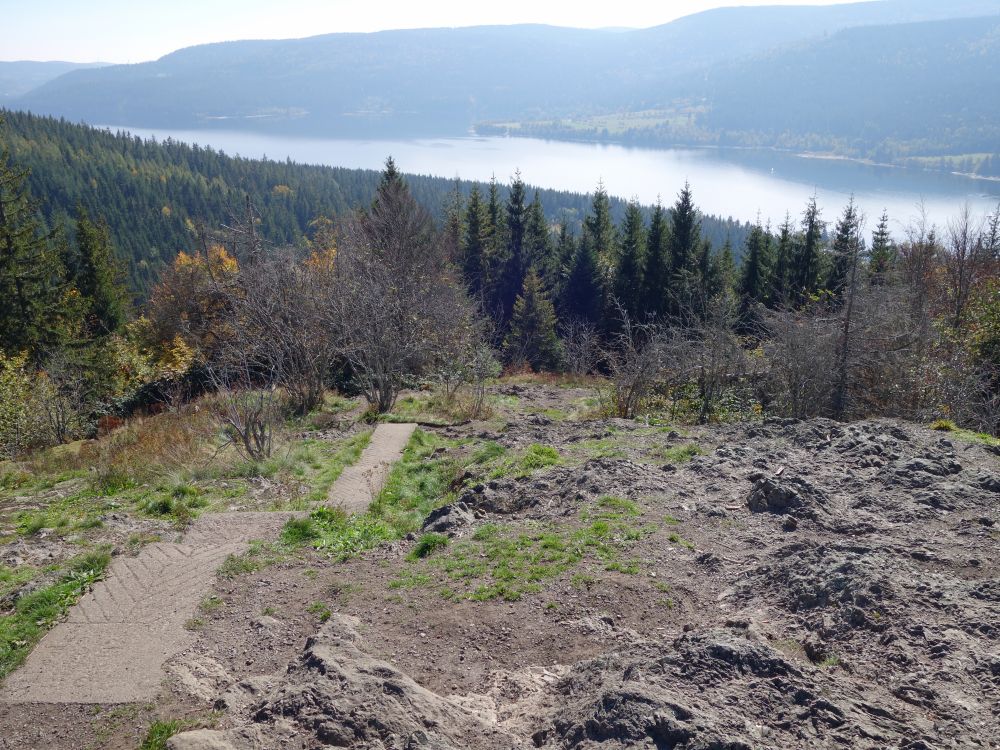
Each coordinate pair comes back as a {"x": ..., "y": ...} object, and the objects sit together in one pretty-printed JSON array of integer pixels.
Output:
[
  {"x": 21, "y": 76},
  {"x": 687, "y": 82},
  {"x": 153, "y": 194}
]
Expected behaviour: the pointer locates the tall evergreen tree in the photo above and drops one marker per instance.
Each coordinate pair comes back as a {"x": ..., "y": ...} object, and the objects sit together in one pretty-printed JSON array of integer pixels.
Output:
[
  {"x": 495, "y": 258},
  {"x": 538, "y": 251},
  {"x": 516, "y": 218},
  {"x": 565, "y": 254},
  {"x": 453, "y": 224},
  {"x": 583, "y": 294},
  {"x": 686, "y": 256},
  {"x": 779, "y": 294},
  {"x": 806, "y": 262},
  {"x": 844, "y": 249},
  {"x": 30, "y": 268},
  {"x": 99, "y": 278},
  {"x": 474, "y": 241},
  {"x": 532, "y": 338},
  {"x": 656, "y": 274},
  {"x": 685, "y": 232},
  {"x": 755, "y": 276},
  {"x": 631, "y": 262},
  {"x": 883, "y": 253},
  {"x": 599, "y": 227}
]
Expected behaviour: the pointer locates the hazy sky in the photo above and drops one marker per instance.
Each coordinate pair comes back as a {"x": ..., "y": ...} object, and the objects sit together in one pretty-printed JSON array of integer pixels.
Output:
[{"x": 139, "y": 30}]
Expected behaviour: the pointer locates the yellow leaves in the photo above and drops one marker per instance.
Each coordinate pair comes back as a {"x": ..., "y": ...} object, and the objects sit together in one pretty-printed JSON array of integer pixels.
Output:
[
  {"x": 166, "y": 212},
  {"x": 282, "y": 191},
  {"x": 219, "y": 262},
  {"x": 322, "y": 260}
]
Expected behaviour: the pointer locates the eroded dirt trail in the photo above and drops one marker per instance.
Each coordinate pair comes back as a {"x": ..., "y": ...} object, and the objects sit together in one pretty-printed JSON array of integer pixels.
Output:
[{"x": 114, "y": 642}]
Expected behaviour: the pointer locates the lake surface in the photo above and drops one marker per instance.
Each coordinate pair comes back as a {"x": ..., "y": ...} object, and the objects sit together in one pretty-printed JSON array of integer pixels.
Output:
[{"x": 736, "y": 183}]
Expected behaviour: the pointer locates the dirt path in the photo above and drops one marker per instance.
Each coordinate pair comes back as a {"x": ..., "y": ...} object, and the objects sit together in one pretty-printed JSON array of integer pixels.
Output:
[
  {"x": 115, "y": 640},
  {"x": 359, "y": 483}
]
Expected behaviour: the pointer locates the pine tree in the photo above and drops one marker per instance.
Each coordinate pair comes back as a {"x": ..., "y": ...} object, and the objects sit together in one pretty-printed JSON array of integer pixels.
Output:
[
  {"x": 656, "y": 273},
  {"x": 390, "y": 176},
  {"x": 30, "y": 269},
  {"x": 779, "y": 294},
  {"x": 755, "y": 276},
  {"x": 474, "y": 241},
  {"x": 538, "y": 251},
  {"x": 631, "y": 261},
  {"x": 99, "y": 277},
  {"x": 495, "y": 255},
  {"x": 532, "y": 338},
  {"x": 724, "y": 273},
  {"x": 806, "y": 262},
  {"x": 453, "y": 224},
  {"x": 883, "y": 253},
  {"x": 686, "y": 257},
  {"x": 844, "y": 249},
  {"x": 600, "y": 229},
  {"x": 514, "y": 257},
  {"x": 685, "y": 232},
  {"x": 564, "y": 253},
  {"x": 582, "y": 296}
]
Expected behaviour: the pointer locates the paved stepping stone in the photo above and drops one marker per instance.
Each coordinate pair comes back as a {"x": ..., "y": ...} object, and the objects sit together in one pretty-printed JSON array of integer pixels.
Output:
[
  {"x": 114, "y": 642},
  {"x": 359, "y": 483}
]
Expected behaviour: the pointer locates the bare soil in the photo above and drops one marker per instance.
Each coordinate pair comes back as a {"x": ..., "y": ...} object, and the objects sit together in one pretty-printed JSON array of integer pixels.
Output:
[{"x": 771, "y": 585}]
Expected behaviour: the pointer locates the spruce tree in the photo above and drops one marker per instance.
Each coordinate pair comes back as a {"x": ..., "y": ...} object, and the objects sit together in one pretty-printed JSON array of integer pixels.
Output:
[
  {"x": 686, "y": 257},
  {"x": 564, "y": 254},
  {"x": 883, "y": 254},
  {"x": 779, "y": 294},
  {"x": 582, "y": 296},
  {"x": 656, "y": 273},
  {"x": 99, "y": 277},
  {"x": 806, "y": 262},
  {"x": 844, "y": 249},
  {"x": 514, "y": 257},
  {"x": 685, "y": 232},
  {"x": 30, "y": 269},
  {"x": 631, "y": 262},
  {"x": 532, "y": 338},
  {"x": 755, "y": 276},
  {"x": 538, "y": 251},
  {"x": 601, "y": 229},
  {"x": 474, "y": 241}
]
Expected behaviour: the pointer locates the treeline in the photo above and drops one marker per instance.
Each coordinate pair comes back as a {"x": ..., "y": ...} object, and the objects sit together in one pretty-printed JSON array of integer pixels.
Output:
[
  {"x": 811, "y": 321},
  {"x": 154, "y": 196}
]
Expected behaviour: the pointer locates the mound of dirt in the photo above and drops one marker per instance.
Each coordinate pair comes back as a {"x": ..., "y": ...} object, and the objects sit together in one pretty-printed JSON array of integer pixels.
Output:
[{"x": 801, "y": 584}]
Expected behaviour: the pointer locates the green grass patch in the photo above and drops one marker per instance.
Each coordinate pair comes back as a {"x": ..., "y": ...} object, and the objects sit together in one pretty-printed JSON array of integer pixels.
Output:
[
  {"x": 161, "y": 731},
  {"x": 427, "y": 544},
  {"x": 344, "y": 454},
  {"x": 533, "y": 458},
  {"x": 320, "y": 610},
  {"x": 258, "y": 556},
  {"x": 36, "y": 612},
  {"x": 679, "y": 454},
  {"x": 509, "y": 562}
]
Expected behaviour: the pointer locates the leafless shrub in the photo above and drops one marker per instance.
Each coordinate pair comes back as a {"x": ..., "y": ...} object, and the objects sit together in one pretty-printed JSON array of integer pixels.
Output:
[
  {"x": 801, "y": 348},
  {"x": 395, "y": 306},
  {"x": 719, "y": 356},
  {"x": 635, "y": 360},
  {"x": 581, "y": 347}
]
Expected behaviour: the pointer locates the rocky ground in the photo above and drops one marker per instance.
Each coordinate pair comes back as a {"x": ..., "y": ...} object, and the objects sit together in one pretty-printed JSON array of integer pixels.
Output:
[{"x": 609, "y": 584}]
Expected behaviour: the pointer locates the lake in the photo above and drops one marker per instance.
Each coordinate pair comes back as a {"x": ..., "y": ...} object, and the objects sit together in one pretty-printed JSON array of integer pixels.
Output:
[{"x": 736, "y": 183}]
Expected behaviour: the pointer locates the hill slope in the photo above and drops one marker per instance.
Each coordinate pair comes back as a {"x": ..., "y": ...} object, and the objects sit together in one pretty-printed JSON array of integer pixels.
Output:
[
  {"x": 442, "y": 81},
  {"x": 21, "y": 76},
  {"x": 151, "y": 194}
]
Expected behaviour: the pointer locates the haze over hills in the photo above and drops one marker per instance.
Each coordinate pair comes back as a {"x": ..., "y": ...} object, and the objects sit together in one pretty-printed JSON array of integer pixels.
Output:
[
  {"x": 696, "y": 74},
  {"x": 21, "y": 76}
]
